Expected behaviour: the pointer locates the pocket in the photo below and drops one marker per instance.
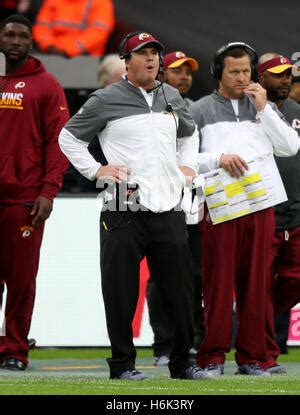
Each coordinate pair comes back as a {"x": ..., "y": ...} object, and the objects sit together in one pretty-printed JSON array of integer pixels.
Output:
[
  {"x": 110, "y": 221},
  {"x": 8, "y": 180}
]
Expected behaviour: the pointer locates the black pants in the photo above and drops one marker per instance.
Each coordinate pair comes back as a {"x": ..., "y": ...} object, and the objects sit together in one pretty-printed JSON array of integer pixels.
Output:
[
  {"x": 282, "y": 323},
  {"x": 126, "y": 238},
  {"x": 159, "y": 307}
]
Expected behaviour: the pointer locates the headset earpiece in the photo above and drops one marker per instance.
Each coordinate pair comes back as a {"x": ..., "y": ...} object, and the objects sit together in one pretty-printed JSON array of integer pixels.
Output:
[
  {"x": 123, "y": 54},
  {"x": 217, "y": 65},
  {"x": 161, "y": 62}
]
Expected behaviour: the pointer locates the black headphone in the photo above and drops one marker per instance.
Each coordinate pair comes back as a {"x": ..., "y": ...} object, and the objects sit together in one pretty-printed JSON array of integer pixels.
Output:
[
  {"x": 218, "y": 61},
  {"x": 123, "y": 54}
]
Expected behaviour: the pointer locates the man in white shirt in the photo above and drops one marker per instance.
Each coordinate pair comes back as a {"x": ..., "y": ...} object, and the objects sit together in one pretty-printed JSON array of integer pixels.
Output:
[
  {"x": 236, "y": 125},
  {"x": 140, "y": 124}
]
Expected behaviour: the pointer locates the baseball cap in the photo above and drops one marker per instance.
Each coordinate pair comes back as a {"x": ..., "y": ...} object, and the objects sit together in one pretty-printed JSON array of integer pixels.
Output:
[
  {"x": 176, "y": 59},
  {"x": 275, "y": 65},
  {"x": 141, "y": 40}
]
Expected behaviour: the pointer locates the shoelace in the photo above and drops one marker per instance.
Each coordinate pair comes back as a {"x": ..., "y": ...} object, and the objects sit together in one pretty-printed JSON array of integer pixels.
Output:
[
  {"x": 212, "y": 366},
  {"x": 196, "y": 369},
  {"x": 131, "y": 372},
  {"x": 255, "y": 366}
]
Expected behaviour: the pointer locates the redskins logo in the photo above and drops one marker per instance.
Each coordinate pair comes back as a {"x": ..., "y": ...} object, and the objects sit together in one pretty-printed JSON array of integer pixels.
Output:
[
  {"x": 180, "y": 55},
  {"x": 20, "y": 85},
  {"x": 143, "y": 36},
  {"x": 282, "y": 60},
  {"x": 26, "y": 231},
  {"x": 296, "y": 124}
]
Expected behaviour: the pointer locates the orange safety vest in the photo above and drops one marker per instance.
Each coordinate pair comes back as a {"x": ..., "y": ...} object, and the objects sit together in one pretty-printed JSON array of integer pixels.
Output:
[{"x": 78, "y": 27}]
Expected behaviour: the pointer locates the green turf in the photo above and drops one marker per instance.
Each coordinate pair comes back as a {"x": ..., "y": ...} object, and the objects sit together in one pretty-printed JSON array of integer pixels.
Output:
[
  {"x": 80, "y": 353},
  {"x": 32, "y": 383},
  {"x": 95, "y": 353},
  {"x": 227, "y": 385},
  {"x": 69, "y": 353}
]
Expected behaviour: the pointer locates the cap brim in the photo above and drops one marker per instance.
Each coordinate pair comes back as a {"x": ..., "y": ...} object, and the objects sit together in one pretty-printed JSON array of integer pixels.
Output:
[
  {"x": 192, "y": 62},
  {"x": 280, "y": 68},
  {"x": 154, "y": 43}
]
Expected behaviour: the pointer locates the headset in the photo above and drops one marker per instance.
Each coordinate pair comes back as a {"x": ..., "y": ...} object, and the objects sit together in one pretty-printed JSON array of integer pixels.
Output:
[
  {"x": 123, "y": 54},
  {"x": 217, "y": 65}
]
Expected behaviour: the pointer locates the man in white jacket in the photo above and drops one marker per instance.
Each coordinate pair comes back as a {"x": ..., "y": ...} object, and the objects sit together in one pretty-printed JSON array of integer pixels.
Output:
[
  {"x": 140, "y": 124},
  {"x": 236, "y": 125}
]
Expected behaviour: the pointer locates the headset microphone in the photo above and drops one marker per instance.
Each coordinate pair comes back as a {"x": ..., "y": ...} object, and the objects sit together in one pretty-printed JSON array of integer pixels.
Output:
[
  {"x": 169, "y": 107},
  {"x": 161, "y": 64}
]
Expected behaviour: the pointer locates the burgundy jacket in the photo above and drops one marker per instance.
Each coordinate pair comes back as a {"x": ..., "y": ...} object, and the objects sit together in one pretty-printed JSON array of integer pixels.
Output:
[{"x": 33, "y": 110}]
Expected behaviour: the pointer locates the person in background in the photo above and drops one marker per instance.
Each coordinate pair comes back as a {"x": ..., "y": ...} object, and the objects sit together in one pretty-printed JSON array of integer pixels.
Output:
[
  {"x": 33, "y": 110},
  {"x": 29, "y": 8},
  {"x": 236, "y": 125},
  {"x": 295, "y": 89},
  {"x": 275, "y": 75},
  {"x": 139, "y": 138},
  {"x": 67, "y": 28},
  {"x": 178, "y": 72},
  {"x": 110, "y": 70}
]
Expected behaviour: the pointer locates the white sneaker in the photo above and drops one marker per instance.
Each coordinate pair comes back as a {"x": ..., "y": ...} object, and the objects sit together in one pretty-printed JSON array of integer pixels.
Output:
[
  {"x": 213, "y": 370},
  {"x": 132, "y": 375},
  {"x": 252, "y": 369},
  {"x": 276, "y": 370}
]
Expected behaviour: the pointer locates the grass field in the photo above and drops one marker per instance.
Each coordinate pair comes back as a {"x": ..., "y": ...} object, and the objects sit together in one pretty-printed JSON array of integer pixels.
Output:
[{"x": 85, "y": 372}]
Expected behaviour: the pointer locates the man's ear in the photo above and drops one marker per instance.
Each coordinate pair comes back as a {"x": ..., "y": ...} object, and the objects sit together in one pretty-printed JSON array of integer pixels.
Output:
[{"x": 126, "y": 63}]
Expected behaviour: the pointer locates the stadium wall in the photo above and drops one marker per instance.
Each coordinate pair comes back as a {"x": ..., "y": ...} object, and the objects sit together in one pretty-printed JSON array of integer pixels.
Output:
[{"x": 69, "y": 310}]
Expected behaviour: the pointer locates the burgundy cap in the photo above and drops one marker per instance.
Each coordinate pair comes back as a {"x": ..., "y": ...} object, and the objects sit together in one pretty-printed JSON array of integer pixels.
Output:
[
  {"x": 141, "y": 40},
  {"x": 275, "y": 65},
  {"x": 175, "y": 59}
]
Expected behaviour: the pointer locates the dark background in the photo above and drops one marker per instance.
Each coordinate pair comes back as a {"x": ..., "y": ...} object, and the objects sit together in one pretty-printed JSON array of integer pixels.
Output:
[{"x": 200, "y": 27}]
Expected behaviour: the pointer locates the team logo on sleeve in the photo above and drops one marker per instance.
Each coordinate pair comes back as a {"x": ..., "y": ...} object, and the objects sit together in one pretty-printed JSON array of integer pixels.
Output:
[
  {"x": 257, "y": 118},
  {"x": 296, "y": 124}
]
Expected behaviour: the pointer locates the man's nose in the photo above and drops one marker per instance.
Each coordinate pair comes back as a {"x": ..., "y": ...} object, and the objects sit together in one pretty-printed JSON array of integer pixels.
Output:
[
  {"x": 286, "y": 79},
  {"x": 241, "y": 77},
  {"x": 16, "y": 40}
]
